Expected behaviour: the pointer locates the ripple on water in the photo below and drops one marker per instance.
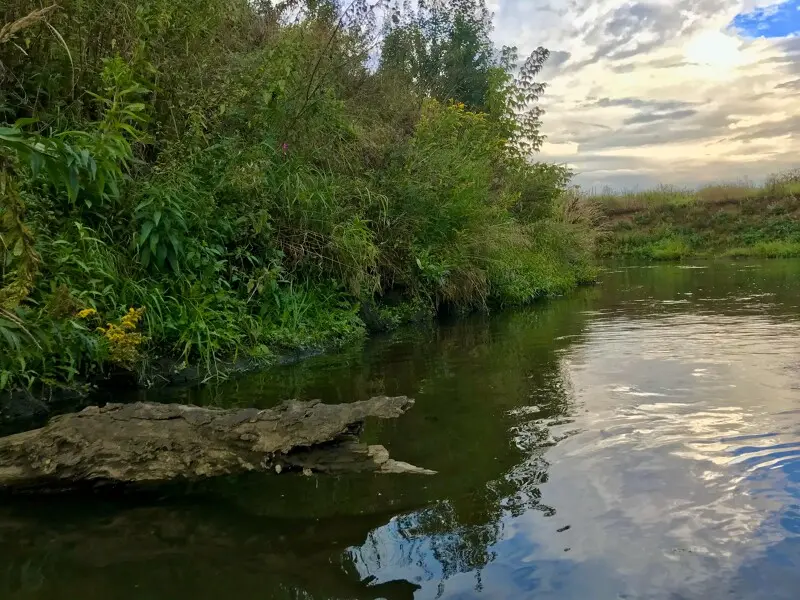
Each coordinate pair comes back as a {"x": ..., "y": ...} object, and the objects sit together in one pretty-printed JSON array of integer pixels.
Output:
[{"x": 691, "y": 442}]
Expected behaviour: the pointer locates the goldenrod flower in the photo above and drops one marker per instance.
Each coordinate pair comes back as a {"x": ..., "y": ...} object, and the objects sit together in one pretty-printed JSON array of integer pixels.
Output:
[{"x": 123, "y": 342}]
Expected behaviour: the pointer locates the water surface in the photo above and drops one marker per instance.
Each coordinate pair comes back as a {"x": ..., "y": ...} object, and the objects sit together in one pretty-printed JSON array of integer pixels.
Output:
[{"x": 640, "y": 439}]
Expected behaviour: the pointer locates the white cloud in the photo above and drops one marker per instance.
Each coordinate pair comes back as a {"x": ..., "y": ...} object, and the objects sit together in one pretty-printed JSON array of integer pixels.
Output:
[{"x": 642, "y": 92}]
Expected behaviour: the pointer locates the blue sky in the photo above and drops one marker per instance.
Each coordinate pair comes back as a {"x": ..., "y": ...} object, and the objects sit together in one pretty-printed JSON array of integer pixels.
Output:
[
  {"x": 770, "y": 22},
  {"x": 664, "y": 91}
]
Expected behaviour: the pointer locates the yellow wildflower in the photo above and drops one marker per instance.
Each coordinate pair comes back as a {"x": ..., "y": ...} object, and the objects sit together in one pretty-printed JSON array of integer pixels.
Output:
[
  {"x": 87, "y": 313},
  {"x": 123, "y": 342},
  {"x": 132, "y": 318}
]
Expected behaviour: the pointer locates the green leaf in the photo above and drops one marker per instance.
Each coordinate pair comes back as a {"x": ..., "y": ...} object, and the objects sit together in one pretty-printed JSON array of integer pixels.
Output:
[
  {"x": 176, "y": 244},
  {"x": 134, "y": 89},
  {"x": 153, "y": 242},
  {"x": 173, "y": 261},
  {"x": 147, "y": 227},
  {"x": 18, "y": 247},
  {"x": 129, "y": 129},
  {"x": 161, "y": 255},
  {"x": 73, "y": 184},
  {"x": 25, "y": 121},
  {"x": 145, "y": 257},
  {"x": 10, "y": 133},
  {"x": 11, "y": 338},
  {"x": 4, "y": 379},
  {"x": 157, "y": 217},
  {"x": 36, "y": 162},
  {"x": 144, "y": 204},
  {"x": 112, "y": 186}
]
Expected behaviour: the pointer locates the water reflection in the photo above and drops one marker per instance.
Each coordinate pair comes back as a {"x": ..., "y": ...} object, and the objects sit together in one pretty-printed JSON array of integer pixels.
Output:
[
  {"x": 178, "y": 550},
  {"x": 664, "y": 472},
  {"x": 637, "y": 440}
]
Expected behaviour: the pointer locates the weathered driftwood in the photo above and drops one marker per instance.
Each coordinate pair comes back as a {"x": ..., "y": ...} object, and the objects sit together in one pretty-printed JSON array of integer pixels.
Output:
[{"x": 142, "y": 443}]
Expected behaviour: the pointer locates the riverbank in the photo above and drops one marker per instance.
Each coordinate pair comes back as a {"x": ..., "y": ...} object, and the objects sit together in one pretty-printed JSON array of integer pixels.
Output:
[
  {"x": 247, "y": 184},
  {"x": 735, "y": 221}
]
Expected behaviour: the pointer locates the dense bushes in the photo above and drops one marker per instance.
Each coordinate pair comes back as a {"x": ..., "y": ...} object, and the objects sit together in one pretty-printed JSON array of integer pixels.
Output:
[{"x": 245, "y": 177}]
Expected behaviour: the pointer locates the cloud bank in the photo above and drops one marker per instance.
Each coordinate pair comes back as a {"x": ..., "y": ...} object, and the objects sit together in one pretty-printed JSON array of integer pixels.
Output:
[{"x": 665, "y": 91}]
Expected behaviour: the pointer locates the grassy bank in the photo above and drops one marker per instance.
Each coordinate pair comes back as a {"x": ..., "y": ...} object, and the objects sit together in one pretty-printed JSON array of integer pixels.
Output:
[
  {"x": 737, "y": 221},
  {"x": 214, "y": 180}
]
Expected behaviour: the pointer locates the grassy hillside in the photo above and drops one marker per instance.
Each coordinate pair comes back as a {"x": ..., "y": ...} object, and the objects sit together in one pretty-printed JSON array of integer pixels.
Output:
[
  {"x": 721, "y": 220},
  {"x": 215, "y": 180}
]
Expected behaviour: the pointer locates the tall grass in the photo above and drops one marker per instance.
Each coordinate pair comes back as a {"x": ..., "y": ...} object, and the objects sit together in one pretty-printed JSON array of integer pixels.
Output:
[{"x": 736, "y": 220}]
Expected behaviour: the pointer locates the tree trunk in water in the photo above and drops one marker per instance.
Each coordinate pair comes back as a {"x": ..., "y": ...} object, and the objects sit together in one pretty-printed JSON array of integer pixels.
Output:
[{"x": 149, "y": 443}]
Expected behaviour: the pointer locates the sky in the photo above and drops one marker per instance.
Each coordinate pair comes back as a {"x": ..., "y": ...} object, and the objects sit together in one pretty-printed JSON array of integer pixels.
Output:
[{"x": 681, "y": 92}]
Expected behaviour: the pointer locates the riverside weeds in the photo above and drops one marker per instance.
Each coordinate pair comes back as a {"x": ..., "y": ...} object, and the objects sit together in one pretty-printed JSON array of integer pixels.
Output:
[{"x": 226, "y": 179}]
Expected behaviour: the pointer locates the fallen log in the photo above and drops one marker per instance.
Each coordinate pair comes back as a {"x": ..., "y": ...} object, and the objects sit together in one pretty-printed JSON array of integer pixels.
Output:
[{"x": 150, "y": 443}]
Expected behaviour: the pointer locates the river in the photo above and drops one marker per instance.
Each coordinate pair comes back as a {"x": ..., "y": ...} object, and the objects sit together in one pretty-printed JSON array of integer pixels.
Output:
[{"x": 638, "y": 439}]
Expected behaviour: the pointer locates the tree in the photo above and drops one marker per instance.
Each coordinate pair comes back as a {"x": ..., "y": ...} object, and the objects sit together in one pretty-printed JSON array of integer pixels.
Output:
[{"x": 445, "y": 48}]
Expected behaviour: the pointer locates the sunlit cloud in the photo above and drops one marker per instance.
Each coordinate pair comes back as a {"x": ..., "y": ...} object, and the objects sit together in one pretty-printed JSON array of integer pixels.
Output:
[{"x": 672, "y": 91}]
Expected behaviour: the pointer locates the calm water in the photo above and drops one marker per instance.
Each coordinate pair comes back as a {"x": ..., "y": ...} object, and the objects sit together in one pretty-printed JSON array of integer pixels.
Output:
[{"x": 640, "y": 439}]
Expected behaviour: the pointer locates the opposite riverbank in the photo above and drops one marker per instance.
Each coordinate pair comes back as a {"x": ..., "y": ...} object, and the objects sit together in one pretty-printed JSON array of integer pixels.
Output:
[{"x": 735, "y": 221}]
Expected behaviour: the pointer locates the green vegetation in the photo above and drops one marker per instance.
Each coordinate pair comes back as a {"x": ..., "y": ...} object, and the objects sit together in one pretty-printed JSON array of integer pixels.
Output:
[
  {"x": 740, "y": 220},
  {"x": 217, "y": 180}
]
